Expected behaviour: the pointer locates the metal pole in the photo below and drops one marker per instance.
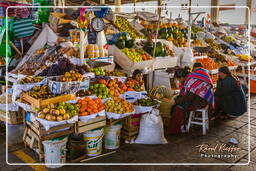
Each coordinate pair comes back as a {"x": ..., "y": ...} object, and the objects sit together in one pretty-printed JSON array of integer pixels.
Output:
[{"x": 189, "y": 23}]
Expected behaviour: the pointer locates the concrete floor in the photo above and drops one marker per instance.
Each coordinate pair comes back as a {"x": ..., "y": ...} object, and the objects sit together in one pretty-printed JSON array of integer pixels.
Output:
[{"x": 180, "y": 149}]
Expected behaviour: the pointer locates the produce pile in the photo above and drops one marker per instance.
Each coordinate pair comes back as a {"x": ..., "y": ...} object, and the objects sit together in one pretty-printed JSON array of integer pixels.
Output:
[
  {"x": 59, "y": 112},
  {"x": 101, "y": 72},
  {"x": 90, "y": 106},
  {"x": 30, "y": 79},
  {"x": 119, "y": 106},
  {"x": 124, "y": 26},
  {"x": 208, "y": 63},
  {"x": 146, "y": 102},
  {"x": 161, "y": 49},
  {"x": 71, "y": 76},
  {"x": 100, "y": 90},
  {"x": 136, "y": 55},
  {"x": 246, "y": 58},
  {"x": 40, "y": 92},
  {"x": 63, "y": 65}
]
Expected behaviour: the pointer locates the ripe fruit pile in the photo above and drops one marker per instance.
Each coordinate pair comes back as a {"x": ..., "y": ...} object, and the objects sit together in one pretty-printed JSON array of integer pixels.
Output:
[
  {"x": 90, "y": 106},
  {"x": 82, "y": 93},
  {"x": 115, "y": 86},
  {"x": 114, "y": 73},
  {"x": 124, "y": 26},
  {"x": 136, "y": 55},
  {"x": 63, "y": 65},
  {"x": 244, "y": 57},
  {"x": 208, "y": 63},
  {"x": 98, "y": 71},
  {"x": 59, "y": 112},
  {"x": 41, "y": 92},
  {"x": 146, "y": 102},
  {"x": 100, "y": 90},
  {"x": 30, "y": 79},
  {"x": 71, "y": 76},
  {"x": 119, "y": 106},
  {"x": 133, "y": 85}
]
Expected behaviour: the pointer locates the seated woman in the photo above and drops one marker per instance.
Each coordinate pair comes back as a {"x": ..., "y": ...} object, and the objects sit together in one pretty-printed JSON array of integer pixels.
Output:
[
  {"x": 229, "y": 94},
  {"x": 196, "y": 93}
]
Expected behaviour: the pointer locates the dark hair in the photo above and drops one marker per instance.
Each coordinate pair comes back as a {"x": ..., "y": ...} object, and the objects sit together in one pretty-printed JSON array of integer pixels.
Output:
[
  {"x": 181, "y": 72},
  {"x": 225, "y": 70},
  {"x": 196, "y": 65},
  {"x": 136, "y": 72}
]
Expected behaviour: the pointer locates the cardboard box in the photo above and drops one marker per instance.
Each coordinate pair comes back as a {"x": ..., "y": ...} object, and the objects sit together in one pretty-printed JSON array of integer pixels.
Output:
[{"x": 56, "y": 19}]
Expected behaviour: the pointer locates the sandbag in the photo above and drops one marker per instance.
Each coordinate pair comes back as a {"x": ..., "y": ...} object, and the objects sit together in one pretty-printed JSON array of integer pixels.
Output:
[{"x": 151, "y": 129}]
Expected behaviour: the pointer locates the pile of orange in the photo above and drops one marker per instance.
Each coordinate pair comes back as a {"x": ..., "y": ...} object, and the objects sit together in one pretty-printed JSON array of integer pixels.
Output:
[
  {"x": 208, "y": 63},
  {"x": 90, "y": 106},
  {"x": 115, "y": 86}
]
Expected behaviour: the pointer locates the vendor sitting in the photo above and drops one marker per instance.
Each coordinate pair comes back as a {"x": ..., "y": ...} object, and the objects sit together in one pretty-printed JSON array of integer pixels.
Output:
[
  {"x": 196, "y": 93},
  {"x": 230, "y": 97}
]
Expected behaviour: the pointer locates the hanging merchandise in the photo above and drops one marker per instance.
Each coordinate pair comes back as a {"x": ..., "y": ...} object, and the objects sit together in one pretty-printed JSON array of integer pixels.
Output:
[
  {"x": 23, "y": 27},
  {"x": 3, "y": 39},
  {"x": 40, "y": 14},
  {"x": 102, "y": 12},
  {"x": 35, "y": 8},
  {"x": 92, "y": 37},
  {"x": 83, "y": 20}
]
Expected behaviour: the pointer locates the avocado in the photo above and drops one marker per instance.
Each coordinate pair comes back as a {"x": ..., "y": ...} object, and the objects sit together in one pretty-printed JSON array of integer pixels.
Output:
[
  {"x": 120, "y": 44},
  {"x": 129, "y": 43}
]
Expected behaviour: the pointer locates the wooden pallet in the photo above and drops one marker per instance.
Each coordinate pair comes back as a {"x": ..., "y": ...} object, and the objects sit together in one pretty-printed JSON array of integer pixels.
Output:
[
  {"x": 97, "y": 122},
  {"x": 34, "y": 133}
]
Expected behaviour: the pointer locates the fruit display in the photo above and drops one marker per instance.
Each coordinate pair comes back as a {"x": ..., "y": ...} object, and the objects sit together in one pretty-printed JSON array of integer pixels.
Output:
[
  {"x": 40, "y": 92},
  {"x": 246, "y": 58},
  {"x": 83, "y": 93},
  {"x": 30, "y": 79},
  {"x": 98, "y": 71},
  {"x": 214, "y": 45},
  {"x": 100, "y": 90},
  {"x": 228, "y": 39},
  {"x": 118, "y": 106},
  {"x": 95, "y": 51},
  {"x": 208, "y": 63},
  {"x": 123, "y": 42},
  {"x": 214, "y": 78},
  {"x": 115, "y": 87},
  {"x": 136, "y": 55},
  {"x": 71, "y": 76},
  {"x": 133, "y": 85},
  {"x": 63, "y": 65},
  {"x": 90, "y": 106},
  {"x": 115, "y": 73},
  {"x": 161, "y": 49},
  {"x": 146, "y": 102},
  {"x": 124, "y": 26},
  {"x": 59, "y": 112},
  {"x": 197, "y": 43}
]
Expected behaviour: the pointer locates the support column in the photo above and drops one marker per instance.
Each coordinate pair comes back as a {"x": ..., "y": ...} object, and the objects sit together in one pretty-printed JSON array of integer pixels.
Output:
[
  {"x": 102, "y": 2},
  {"x": 118, "y": 3},
  {"x": 159, "y": 4},
  {"x": 248, "y": 11},
  {"x": 215, "y": 11}
]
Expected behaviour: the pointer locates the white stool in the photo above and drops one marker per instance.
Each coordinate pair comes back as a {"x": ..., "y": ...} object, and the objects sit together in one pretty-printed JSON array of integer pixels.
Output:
[{"x": 204, "y": 121}]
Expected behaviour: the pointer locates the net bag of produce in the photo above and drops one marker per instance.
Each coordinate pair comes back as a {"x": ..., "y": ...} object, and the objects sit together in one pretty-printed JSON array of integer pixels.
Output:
[{"x": 151, "y": 124}]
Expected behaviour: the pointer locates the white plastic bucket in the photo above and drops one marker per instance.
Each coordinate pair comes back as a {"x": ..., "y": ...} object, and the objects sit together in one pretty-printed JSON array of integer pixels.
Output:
[
  {"x": 93, "y": 140},
  {"x": 55, "y": 152},
  {"x": 112, "y": 136}
]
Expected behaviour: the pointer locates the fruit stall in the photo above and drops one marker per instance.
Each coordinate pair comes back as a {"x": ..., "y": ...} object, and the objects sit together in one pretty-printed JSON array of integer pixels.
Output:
[{"x": 73, "y": 83}]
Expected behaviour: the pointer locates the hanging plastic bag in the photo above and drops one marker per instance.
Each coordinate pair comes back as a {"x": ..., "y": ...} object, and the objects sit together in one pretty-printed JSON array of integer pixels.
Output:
[
  {"x": 188, "y": 57},
  {"x": 3, "y": 39},
  {"x": 101, "y": 39},
  {"x": 151, "y": 129}
]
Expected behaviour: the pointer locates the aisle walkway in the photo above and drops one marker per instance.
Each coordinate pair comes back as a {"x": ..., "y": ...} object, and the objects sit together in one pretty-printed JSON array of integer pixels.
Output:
[{"x": 180, "y": 149}]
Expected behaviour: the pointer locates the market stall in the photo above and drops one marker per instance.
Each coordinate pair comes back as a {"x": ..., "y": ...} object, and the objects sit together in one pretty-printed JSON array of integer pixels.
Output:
[{"x": 74, "y": 84}]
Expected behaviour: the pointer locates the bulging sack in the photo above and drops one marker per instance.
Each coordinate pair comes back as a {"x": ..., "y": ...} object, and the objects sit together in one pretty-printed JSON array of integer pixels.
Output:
[{"x": 151, "y": 129}]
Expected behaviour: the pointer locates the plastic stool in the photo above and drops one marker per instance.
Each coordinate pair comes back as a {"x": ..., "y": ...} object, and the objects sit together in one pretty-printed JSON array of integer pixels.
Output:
[{"x": 203, "y": 121}]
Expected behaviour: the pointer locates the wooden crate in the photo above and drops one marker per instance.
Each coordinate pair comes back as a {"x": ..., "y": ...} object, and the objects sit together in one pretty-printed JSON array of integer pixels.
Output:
[
  {"x": 35, "y": 134},
  {"x": 41, "y": 103},
  {"x": 11, "y": 117},
  {"x": 113, "y": 121},
  {"x": 97, "y": 122},
  {"x": 126, "y": 63},
  {"x": 131, "y": 127}
]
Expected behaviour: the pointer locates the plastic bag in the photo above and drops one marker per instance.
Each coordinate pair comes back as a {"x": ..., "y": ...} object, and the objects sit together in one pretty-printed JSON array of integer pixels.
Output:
[
  {"x": 151, "y": 129},
  {"x": 188, "y": 56},
  {"x": 101, "y": 38}
]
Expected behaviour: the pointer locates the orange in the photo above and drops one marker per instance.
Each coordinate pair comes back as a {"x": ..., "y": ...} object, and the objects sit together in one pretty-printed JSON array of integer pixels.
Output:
[{"x": 87, "y": 98}]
